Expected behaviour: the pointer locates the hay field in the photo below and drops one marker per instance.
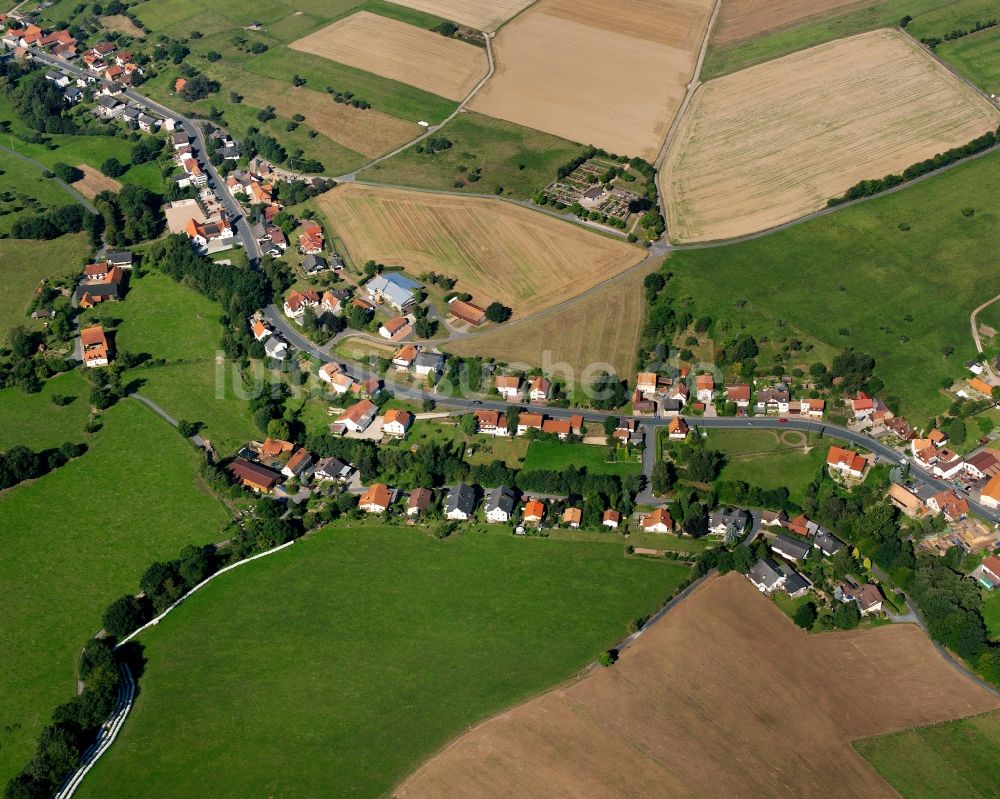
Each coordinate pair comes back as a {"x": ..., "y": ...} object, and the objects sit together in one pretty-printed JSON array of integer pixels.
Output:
[
  {"x": 612, "y": 75},
  {"x": 483, "y": 15},
  {"x": 498, "y": 251},
  {"x": 723, "y": 697},
  {"x": 94, "y": 182},
  {"x": 395, "y": 50},
  {"x": 600, "y": 331},
  {"x": 743, "y": 19},
  {"x": 122, "y": 24},
  {"x": 774, "y": 142}
]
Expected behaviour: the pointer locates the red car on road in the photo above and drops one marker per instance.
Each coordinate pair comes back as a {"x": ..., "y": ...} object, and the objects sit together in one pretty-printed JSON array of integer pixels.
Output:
[{"x": 782, "y": 420}]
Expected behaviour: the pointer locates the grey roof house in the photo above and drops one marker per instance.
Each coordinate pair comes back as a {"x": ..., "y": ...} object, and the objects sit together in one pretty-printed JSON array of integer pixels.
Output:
[
  {"x": 460, "y": 503},
  {"x": 790, "y": 548},
  {"x": 500, "y": 504}
]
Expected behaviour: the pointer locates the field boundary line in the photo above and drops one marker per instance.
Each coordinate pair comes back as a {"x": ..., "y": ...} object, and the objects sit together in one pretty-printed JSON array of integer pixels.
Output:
[
  {"x": 73, "y": 193},
  {"x": 111, "y": 728}
]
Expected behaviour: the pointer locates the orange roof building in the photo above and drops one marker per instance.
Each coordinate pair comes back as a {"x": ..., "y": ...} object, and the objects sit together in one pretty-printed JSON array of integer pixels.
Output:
[
  {"x": 376, "y": 499},
  {"x": 96, "y": 351},
  {"x": 572, "y": 517},
  {"x": 990, "y": 495},
  {"x": 534, "y": 512},
  {"x": 843, "y": 460},
  {"x": 179, "y": 84},
  {"x": 659, "y": 521}
]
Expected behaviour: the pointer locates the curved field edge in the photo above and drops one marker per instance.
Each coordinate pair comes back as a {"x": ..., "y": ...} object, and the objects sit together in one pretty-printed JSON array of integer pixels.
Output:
[
  {"x": 372, "y": 647},
  {"x": 76, "y": 539}
]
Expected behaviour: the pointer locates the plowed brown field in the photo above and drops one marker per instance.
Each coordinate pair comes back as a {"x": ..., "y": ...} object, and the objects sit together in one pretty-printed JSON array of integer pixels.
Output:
[
  {"x": 483, "y": 15},
  {"x": 94, "y": 182},
  {"x": 723, "y": 697},
  {"x": 744, "y": 19},
  {"x": 608, "y": 74},
  {"x": 395, "y": 50},
  {"x": 495, "y": 249},
  {"x": 774, "y": 142}
]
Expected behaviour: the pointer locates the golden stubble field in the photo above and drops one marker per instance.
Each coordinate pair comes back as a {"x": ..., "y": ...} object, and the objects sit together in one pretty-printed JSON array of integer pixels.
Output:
[
  {"x": 94, "y": 182},
  {"x": 496, "y": 250},
  {"x": 483, "y": 15},
  {"x": 395, "y": 50},
  {"x": 744, "y": 19},
  {"x": 724, "y": 697},
  {"x": 774, "y": 142},
  {"x": 574, "y": 341},
  {"x": 607, "y": 74}
]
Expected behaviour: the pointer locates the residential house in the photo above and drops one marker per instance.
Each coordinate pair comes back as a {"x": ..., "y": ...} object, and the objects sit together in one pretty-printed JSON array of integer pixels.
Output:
[
  {"x": 990, "y": 495},
  {"x": 203, "y": 233},
  {"x": 983, "y": 464},
  {"x": 904, "y": 499},
  {"x": 801, "y": 525},
  {"x": 534, "y": 512},
  {"x": 508, "y": 386},
  {"x": 419, "y": 501},
  {"x": 371, "y": 387},
  {"x": 460, "y": 503},
  {"x": 704, "y": 388},
  {"x": 980, "y": 386},
  {"x": 678, "y": 429},
  {"x": 254, "y": 476},
  {"x": 300, "y": 461},
  {"x": 766, "y": 577},
  {"x": 773, "y": 400},
  {"x": 948, "y": 464},
  {"x": 538, "y": 389},
  {"x": 296, "y": 303},
  {"x": 259, "y": 330},
  {"x": 274, "y": 449},
  {"x": 899, "y": 427},
  {"x": 659, "y": 521},
  {"x": 333, "y": 375},
  {"x": 827, "y": 543},
  {"x": 773, "y": 518},
  {"x": 428, "y": 363},
  {"x": 560, "y": 427},
  {"x": 529, "y": 421},
  {"x": 122, "y": 258},
  {"x": 938, "y": 437},
  {"x": 376, "y": 499},
  {"x": 789, "y": 548},
  {"x": 332, "y": 302},
  {"x": 947, "y": 502},
  {"x": 572, "y": 517},
  {"x": 728, "y": 521},
  {"x": 611, "y": 519},
  {"x": 679, "y": 392},
  {"x": 396, "y": 422},
  {"x": 848, "y": 463},
  {"x": 393, "y": 326},
  {"x": 642, "y": 406},
  {"x": 466, "y": 312},
  {"x": 646, "y": 382},
  {"x": 868, "y": 598},
  {"x": 393, "y": 289},
  {"x": 358, "y": 417},
  {"x": 73, "y": 95},
  {"x": 109, "y": 107},
  {"x": 276, "y": 347},
  {"x": 491, "y": 423},
  {"x": 739, "y": 394},
  {"x": 404, "y": 357},
  {"x": 93, "y": 291},
  {"x": 332, "y": 470},
  {"x": 60, "y": 80},
  {"x": 310, "y": 237},
  {"x": 96, "y": 350},
  {"x": 810, "y": 406},
  {"x": 862, "y": 405},
  {"x": 313, "y": 264},
  {"x": 988, "y": 572},
  {"x": 500, "y": 505}
]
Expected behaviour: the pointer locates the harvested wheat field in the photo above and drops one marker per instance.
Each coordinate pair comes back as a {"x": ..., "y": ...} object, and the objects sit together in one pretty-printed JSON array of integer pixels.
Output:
[
  {"x": 598, "y": 332},
  {"x": 496, "y": 250},
  {"x": 94, "y": 182},
  {"x": 612, "y": 75},
  {"x": 483, "y": 15},
  {"x": 744, "y": 19},
  {"x": 774, "y": 142},
  {"x": 395, "y": 50},
  {"x": 723, "y": 697},
  {"x": 122, "y": 24}
]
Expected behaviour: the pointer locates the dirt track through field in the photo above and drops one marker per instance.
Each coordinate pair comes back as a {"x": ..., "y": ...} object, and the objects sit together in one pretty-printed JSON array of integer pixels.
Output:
[
  {"x": 395, "y": 50},
  {"x": 483, "y": 15},
  {"x": 612, "y": 75},
  {"x": 723, "y": 697},
  {"x": 496, "y": 250},
  {"x": 774, "y": 142},
  {"x": 744, "y": 19}
]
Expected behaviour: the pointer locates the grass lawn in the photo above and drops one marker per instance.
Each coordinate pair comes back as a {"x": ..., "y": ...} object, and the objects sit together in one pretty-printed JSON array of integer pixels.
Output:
[
  {"x": 486, "y": 449},
  {"x": 518, "y": 160},
  {"x": 557, "y": 455},
  {"x": 763, "y": 459},
  {"x": 24, "y": 191},
  {"x": 171, "y": 321},
  {"x": 75, "y": 540},
  {"x": 991, "y": 613},
  {"x": 788, "y": 605},
  {"x": 930, "y": 18},
  {"x": 372, "y": 647},
  {"x": 24, "y": 263},
  {"x": 957, "y": 759},
  {"x": 975, "y": 56},
  {"x": 902, "y": 296},
  {"x": 35, "y": 421}
]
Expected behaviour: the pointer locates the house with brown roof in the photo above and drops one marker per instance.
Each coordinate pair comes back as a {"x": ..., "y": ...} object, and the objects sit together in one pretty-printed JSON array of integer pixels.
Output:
[
  {"x": 358, "y": 417},
  {"x": 659, "y": 521},
  {"x": 990, "y": 495},
  {"x": 704, "y": 388},
  {"x": 980, "y": 386},
  {"x": 390, "y": 328},
  {"x": 419, "y": 501},
  {"x": 572, "y": 517},
  {"x": 677, "y": 429},
  {"x": 538, "y": 389},
  {"x": 988, "y": 572},
  {"x": 404, "y": 357},
  {"x": 311, "y": 237},
  {"x": 529, "y": 421},
  {"x": 466, "y": 312},
  {"x": 947, "y": 502},
  {"x": 334, "y": 376},
  {"x": 868, "y": 598},
  {"x": 862, "y": 405},
  {"x": 376, "y": 499},
  {"x": 300, "y": 461},
  {"x": 738, "y": 394},
  {"x": 534, "y": 512},
  {"x": 296, "y": 303},
  {"x": 204, "y": 233},
  {"x": 254, "y": 476},
  {"x": 846, "y": 462},
  {"x": 560, "y": 427},
  {"x": 938, "y": 437},
  {"x": 508, "y": 386},
  {"x": 646, "y": 382},
  {"x": 983, "y": 464},
  {"x": 908, "y": 502},
  {"x": 396, "y": 422},
  {"x": 811, "y": 406},
  {"x": 611, "y": 519},
  {"x": 96, "y": 350},
  {"x": 259, "y": 329}
]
